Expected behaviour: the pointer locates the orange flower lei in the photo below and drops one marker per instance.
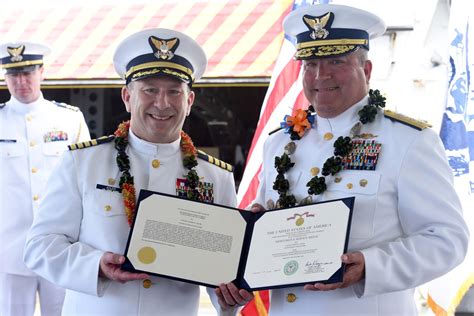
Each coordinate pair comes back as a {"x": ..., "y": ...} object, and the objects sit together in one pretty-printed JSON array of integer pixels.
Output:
[{"x": 126, "y": 180}]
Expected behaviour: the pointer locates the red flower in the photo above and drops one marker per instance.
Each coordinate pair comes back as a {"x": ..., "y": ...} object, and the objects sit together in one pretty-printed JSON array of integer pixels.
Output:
[
  {"x": 122, "y": 130},
  {"x": 187, "y": 146}
]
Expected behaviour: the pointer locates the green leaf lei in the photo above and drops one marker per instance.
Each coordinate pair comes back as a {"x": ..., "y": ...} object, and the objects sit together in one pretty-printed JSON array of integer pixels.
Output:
[
  {"x": 127, "y": 184},
  {"x": 342, "y": 147}
]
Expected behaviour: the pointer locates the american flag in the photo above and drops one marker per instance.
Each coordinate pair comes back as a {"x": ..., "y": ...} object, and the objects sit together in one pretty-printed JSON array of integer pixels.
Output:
[
  {"x": 457, "y": 133},
  {"x": 284, "y": 95}
]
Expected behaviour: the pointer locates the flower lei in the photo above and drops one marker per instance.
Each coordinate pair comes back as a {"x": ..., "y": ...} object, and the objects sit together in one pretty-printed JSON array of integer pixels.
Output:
[
  {"x": 342, "y": 147},
  {"x": 297, "y": 125},
  {"x": 126, "y": 179}
]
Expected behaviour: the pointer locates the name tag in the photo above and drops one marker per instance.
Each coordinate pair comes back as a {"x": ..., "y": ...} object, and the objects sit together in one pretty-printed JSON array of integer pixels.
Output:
[{"x": 108, "y": 188}]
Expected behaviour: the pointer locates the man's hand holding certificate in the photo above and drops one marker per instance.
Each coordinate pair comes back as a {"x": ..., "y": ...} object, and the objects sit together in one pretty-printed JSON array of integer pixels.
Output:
[{"x": 211, "y": 244}]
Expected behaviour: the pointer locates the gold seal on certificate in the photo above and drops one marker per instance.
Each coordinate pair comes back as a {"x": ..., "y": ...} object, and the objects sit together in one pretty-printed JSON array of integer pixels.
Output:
[
  {"x": 211, "y": 244},
  {"x": 146, "y": 255}
]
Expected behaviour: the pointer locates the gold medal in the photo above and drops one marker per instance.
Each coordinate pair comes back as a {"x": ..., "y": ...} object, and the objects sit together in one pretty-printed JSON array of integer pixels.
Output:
[
  {"x": 300, "y": 221},
  {"x": 270, "y": 204},
  {"x": 290, "y": 148},
  {"x": 306, "y": 201},
  {"x": 328, "y": 136}
]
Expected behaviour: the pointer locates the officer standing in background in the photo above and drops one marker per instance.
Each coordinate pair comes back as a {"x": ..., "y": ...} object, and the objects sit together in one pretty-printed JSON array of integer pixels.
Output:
[
  {"x": 407, "y": 225},
  {"x": 34, "y": 132}
]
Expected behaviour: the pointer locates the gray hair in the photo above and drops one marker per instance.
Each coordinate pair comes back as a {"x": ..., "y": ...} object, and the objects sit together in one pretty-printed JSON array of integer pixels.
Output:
[{"x": 363, "y": 55}]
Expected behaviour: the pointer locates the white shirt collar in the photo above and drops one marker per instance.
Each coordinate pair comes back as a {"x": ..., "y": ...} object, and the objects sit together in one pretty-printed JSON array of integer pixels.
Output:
[
  {"x": 153, "y": 149},
  {"x": 24, "y": 108},
  {"x": 343, "y": 121}
]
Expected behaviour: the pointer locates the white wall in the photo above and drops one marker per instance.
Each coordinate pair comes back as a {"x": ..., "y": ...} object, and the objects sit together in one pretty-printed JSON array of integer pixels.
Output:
[{"x": 403, "y": 67}]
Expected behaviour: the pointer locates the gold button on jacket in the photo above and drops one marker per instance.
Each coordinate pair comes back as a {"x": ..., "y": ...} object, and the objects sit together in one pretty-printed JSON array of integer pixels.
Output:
[
  {"x": 147, "y": 283},
  {"x": 155, "y": 163},
  {"x": 291, "y": 298}
]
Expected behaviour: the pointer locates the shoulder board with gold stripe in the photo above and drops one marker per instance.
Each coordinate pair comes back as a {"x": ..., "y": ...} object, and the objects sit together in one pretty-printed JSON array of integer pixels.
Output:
[
  {"x": 2, "y": 105},
  {"x": 66, "y": 106},
  {"x": 215, "y": 161},
  {"x": 418, "y": 124},
  {"x": 92, "y": 142}
]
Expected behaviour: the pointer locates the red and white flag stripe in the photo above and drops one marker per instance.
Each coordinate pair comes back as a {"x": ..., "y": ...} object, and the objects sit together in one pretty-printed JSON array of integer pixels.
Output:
[{"x": 284, "y": 95}]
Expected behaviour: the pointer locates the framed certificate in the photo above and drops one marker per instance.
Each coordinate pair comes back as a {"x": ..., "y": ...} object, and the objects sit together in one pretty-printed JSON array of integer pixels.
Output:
[{"x": 210, "y": 244}]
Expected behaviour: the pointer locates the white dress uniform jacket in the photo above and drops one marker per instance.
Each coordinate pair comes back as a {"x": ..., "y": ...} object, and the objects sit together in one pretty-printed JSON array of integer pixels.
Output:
[
  {"x": 77, "y": 223},
  {"x": 407, "y": 219},
  {"x": 32, "y": 138}
]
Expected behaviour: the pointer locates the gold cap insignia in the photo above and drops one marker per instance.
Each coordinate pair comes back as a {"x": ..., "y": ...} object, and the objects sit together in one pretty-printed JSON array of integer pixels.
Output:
[
  {"x": 163, "y": 49},
  {"x": 317, "y": 25},
  {"x": 16, "y": 53}
]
